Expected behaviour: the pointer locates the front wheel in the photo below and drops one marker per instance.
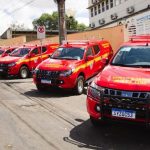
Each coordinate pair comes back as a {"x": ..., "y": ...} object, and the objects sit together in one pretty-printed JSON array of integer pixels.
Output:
[
  {"x": 79, "y": 85},
  {"x": 24, "y": 72}
]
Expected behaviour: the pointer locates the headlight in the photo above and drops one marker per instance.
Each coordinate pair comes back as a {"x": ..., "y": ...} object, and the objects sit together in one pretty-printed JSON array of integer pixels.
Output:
[
  {"x": 66, "y": 73},
  {"x": 11, "y": 64},
  {"x": 95, "y": 91},
  {"x": 35, "y": 71}
]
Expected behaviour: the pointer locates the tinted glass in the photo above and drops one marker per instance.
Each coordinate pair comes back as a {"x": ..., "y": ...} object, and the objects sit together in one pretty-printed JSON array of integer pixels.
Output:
[
  {"x": 68, "y": 53},
  {"x": 35, "y": 51},
  {"x": 133, "y": 56},
  {"x": 89, "y": 52},
  {"x": 1, "y": 51},
  {"x": 44, "y": 49},
  {"x": 96, "y": 49}
]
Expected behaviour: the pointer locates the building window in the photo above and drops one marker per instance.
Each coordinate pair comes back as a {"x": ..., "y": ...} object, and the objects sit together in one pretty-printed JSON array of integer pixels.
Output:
[
  {"x": 107, "y": 4},
  {"x": 99, "y": 8},
  {"x": 103, "y": 6},
  {"x": 95, "y": 8},
  {"x": 91, "y": 12},
  {"x": 117, "y": 2},
  {"x": 111, "y": 4}
]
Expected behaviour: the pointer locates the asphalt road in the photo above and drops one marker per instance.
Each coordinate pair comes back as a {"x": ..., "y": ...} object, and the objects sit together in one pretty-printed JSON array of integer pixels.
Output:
[{"x": 57, "y": 120}]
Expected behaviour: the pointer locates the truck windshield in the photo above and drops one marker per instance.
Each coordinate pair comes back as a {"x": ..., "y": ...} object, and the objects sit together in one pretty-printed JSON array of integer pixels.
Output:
[
  {"x": 138, "y": 56},
  {"x": 20, "y": 52},
  {"x": 68, "y": 53},
  {"x": 1, "y": 51}
]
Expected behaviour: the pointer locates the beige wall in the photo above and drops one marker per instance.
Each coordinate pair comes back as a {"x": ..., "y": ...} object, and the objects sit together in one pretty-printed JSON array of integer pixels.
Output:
[
  {"x": 13, "y": 42},
  {"x": 115, "y": 35}
]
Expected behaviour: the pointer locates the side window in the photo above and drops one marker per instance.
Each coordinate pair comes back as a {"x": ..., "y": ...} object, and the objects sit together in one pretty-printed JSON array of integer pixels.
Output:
[
  {"x": 8, "y": 51},
  {"x": 96, "y": 49},
  {"x": 35, "y": 51},
  {"x": 89, "y": 52},
  {"x": 44, "y": 49}
]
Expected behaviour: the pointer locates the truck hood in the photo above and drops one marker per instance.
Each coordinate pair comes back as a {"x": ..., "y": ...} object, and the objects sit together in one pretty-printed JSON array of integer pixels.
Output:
[
  {"x": 57, "y": 64},
  {"x": 125, "y": 78},
  {"x": 9, "y": 59}
]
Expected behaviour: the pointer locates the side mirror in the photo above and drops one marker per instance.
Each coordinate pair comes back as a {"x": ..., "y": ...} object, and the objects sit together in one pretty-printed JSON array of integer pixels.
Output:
[
  {"x": 31, "y": 55},
  {"x": 105, "y": 61},
  {"x": 88, "y": 58}
]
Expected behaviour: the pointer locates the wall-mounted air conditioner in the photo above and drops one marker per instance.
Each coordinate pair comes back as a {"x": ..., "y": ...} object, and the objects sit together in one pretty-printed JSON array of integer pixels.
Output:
[
  {"x": 102, "y": 21},
  {"x": 93, "y": 25},
  {"x": 130, "y": 10},
  {"x": 114, "y": 16},
  {"x": 95, "y": 1}
]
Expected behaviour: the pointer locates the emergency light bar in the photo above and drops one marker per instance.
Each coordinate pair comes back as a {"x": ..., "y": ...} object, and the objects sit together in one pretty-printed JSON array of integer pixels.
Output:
[
  {"x": 140, "y": 38},
  {"x": 80, "y": 41}
]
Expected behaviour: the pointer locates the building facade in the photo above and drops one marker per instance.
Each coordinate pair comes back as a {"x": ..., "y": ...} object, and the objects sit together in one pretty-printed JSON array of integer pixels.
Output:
[{"x": 134, "y": 14}]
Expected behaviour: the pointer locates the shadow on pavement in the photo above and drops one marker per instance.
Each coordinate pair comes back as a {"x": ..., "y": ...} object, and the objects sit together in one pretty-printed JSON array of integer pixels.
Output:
[
  {"x": 51, "y": 92},
  {"x": 109, "y": 137}
]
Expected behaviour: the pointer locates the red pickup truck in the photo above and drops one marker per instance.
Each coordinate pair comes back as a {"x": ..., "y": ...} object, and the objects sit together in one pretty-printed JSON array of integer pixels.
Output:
[
  {"x": 24, "y": 59},
  {"x": 72, "y": 64},
  {"x": 121, "y": 92}
]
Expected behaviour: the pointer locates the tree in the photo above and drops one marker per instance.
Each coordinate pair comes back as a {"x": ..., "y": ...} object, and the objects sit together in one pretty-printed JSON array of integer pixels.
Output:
[{"x": 50, "y": 21}]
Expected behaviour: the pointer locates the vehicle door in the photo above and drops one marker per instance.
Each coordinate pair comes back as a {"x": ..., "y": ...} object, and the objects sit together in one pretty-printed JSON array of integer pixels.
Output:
[
  {"x": 35, "y": 57},
  {"x": 43, "y": 52},
  {"x": 89, "y": 59},
  {"x": 98, "y": 58}
]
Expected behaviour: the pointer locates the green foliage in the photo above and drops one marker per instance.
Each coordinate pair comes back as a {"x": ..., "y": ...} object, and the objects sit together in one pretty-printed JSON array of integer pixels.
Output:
[{"x": 50, "y": 21}]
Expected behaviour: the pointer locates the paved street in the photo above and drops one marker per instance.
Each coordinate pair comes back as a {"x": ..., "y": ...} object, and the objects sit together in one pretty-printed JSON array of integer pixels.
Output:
[{"x": 57, "y": 120}]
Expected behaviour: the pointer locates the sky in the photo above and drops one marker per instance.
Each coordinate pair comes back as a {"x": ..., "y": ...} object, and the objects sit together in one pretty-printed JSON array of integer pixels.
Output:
[{"x": 25, "y": 11}]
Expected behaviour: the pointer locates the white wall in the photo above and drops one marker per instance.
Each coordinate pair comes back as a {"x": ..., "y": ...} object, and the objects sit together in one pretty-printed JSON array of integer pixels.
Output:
[{"x": 120, "y": 10}]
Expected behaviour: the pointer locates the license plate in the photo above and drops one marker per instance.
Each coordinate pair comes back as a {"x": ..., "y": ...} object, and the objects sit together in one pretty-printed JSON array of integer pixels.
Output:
[
  {"x": 1, "y": 70},
  {"x": 121, "y": 113},
  {"x": 46, "y": 81}
]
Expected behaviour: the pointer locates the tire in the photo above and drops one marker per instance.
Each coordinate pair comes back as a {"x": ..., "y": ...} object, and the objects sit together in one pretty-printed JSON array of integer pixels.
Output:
[
  {"x": 79, "y": 85},
  {"x": 40, "y": 88},
  {"x": 24, "y": 72}
]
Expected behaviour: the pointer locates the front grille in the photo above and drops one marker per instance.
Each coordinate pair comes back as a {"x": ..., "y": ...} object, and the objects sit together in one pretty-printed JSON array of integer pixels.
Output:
[
  {"x": 126, "y": 94},
  {"x": 49, "y": 75},
  {"x": 4, "y": 67},
  {"x": 126, "y": 98}
]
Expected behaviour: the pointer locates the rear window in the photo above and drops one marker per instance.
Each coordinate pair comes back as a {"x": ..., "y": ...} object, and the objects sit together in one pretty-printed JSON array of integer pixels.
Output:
[{"x": 96, "y": 49}]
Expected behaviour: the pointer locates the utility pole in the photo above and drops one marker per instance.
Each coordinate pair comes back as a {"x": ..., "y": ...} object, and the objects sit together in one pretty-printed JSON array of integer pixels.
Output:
[{"x": 61, "y": 20}]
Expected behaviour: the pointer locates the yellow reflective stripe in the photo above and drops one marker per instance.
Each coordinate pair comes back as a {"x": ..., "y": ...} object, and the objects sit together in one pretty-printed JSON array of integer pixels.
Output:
[
  {"x": 105, "y": 55},
  {"x": 83, "y": 66},
  {"x": 43, "y": 56},
  {"x": 106, "y": 45},
  {"x": 98, "y": 58}
]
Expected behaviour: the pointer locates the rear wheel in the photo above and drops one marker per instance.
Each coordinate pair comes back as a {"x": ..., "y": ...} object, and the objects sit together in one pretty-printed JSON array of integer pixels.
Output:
[
  {"x": 24, "y": 72},
  {"x": 79, "y": 85}
]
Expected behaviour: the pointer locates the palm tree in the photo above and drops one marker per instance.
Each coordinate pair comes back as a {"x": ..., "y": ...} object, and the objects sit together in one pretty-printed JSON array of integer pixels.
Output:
[{"x": 62, "y": 22}]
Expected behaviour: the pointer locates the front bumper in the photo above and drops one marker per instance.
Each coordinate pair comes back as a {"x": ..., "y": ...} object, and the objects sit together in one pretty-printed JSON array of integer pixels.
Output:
[
  {"x": 53, "y": 79},
  {"x": 107, "y": 103}
]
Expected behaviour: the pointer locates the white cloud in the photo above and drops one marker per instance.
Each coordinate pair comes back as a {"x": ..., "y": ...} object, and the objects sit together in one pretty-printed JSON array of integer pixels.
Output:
[{"x": 18, "y": 11}]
